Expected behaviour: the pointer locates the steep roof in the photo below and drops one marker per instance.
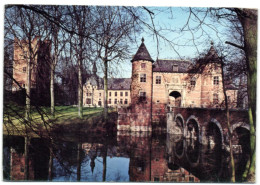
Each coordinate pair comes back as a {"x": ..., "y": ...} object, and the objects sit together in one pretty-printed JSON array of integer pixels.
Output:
[
  {"x": 112, "y": 83},
  {"x": 93, "y": 80},
  {"x": 142, "y": 53},
  {"x": 119, "y": 83},
  {"x": 212, "y": 55},
  {"x": 167, "y": 66}
]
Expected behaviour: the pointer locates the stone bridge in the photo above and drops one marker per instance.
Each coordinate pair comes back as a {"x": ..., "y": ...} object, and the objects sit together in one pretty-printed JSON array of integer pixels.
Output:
[{"x": 209, "y": 126}]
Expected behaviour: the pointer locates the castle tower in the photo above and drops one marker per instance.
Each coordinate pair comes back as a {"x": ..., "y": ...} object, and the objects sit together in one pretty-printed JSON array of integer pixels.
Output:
[
  {"x": 40, "y": 68},
  {"x": 211, "y": 87},
  {"x": 141, "y": 88}
]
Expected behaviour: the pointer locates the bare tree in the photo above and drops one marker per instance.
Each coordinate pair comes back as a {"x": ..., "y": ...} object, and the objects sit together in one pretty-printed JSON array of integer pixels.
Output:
[
  {"x": 243, "y": 23},
  {"x": 84, "y": 25},
  {"x": 115, "y": 34}
]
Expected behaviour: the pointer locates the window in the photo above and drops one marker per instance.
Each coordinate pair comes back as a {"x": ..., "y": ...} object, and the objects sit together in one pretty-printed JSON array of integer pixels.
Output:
[
  {"x": 126, "y": 102},
  {"x": 142, "y": 77},
  {"x": 121, "y": 101},
  {"x": 88, "y": 101},
  {"x": 24, "y": 69},
  {"x": 126, "y": 93},
  {"x": 142, "y": 96},
  {"x": 215, "y": 80},
  {"x": 99, "y": 94},
  {"x": 109, "y": 101},
  {"x": 121, "y": 93},
  {"x": 175, "y": 68},
  {"x": 143, "y": 65},
  {"x": 115, "y": 102},
  {"x": 215, "y": 98},
  {"x": 158, "y": 80},
  {"x": 109, "y": 93},
  {"x": 156, "y": 179},
  {"x": 193, "y": 82},
  {"x": 115, "y": 93},
  {"x": 99, "y": 102}
]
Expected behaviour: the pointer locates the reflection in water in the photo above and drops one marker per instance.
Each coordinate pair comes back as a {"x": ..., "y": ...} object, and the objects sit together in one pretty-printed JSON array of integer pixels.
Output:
[{"x": 132, "y": 157}]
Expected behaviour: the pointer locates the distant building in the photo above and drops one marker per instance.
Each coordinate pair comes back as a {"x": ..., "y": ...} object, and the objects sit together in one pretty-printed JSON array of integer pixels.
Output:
[
  {"x": 174, "y": 83},
  {"x": 118, "y": 91}
]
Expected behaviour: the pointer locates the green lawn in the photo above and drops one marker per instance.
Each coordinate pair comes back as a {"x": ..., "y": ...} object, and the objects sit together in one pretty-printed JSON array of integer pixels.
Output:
[{"x": 40, "y": 116}]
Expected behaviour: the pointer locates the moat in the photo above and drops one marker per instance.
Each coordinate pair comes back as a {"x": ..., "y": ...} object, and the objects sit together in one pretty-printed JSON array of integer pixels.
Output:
[{"x": 119, "y": 156}]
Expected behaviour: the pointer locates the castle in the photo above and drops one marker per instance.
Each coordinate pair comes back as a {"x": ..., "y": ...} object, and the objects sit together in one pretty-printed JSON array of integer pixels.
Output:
[
  {"x": 143, "y": 98},
  {"x": 156, "y": 85}
]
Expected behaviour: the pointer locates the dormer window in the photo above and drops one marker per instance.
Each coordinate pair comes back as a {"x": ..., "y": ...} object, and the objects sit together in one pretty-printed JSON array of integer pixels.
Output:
[
  {"x": 175, "y": 68},
  {"x": 143, "y": 65}
]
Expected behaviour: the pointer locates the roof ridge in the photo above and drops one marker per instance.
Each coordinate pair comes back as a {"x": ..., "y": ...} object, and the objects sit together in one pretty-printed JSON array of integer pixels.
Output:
[{"x": 177, "y": 60}]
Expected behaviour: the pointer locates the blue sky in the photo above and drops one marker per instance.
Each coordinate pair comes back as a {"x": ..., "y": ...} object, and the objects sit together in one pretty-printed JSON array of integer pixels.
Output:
[{"x": 184, "y": 46}]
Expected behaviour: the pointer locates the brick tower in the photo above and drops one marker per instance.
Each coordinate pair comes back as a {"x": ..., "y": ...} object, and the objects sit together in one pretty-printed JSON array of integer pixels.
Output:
[
  {"x": 40, "y": 69},
  {"x": 141, "y": 89}
]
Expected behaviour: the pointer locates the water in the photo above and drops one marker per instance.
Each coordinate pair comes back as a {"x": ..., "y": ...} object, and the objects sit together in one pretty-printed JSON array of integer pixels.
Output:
[{"x": 120, "y": 157}]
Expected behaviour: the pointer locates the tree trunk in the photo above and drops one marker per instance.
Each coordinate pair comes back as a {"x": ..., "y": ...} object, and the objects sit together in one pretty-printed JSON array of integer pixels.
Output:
[
  {"x": 233, "y": 173},
  {"x": 28, "y": 92},
  {"x": 78, "y": 162},
  {"x": 26, "y": 157},
  {"x": 50, "y": 165},
  {"x": 106, "y": 92},
  {"x": 104, "y": 164},
  {"x": 80, "y": 92},
  {"x": 52, "y": 91},
  {"x": 248, "y": 19}
]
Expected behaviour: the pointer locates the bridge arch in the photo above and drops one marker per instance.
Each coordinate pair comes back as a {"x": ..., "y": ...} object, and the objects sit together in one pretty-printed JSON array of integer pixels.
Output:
[
  {"x": 192, "y": 152},
  {"x": 180, "y": 122},
  {"x": 192, "y": 123},
  {"x": 240, "y": 124},
  {"x": 241, "y": 135},
  {"x": 179, "y": 149},
  {"x": 218, "y": 125}
]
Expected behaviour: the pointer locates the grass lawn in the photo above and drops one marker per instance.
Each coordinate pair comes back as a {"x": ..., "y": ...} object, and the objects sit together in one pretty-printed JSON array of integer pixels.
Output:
[{"x": 40, "y": 116}]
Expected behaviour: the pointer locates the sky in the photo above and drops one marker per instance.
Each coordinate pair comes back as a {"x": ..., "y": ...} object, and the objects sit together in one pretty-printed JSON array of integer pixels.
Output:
[{"x": 184, "y": 46}]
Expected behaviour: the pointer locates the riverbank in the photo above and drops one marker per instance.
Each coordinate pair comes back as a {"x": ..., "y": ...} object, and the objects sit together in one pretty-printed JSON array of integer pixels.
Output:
[{"x": 65, "y": 116}]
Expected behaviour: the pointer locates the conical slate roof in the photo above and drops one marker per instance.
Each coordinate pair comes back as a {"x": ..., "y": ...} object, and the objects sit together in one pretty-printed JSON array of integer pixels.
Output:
[{"x": 142, "y": 53}]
